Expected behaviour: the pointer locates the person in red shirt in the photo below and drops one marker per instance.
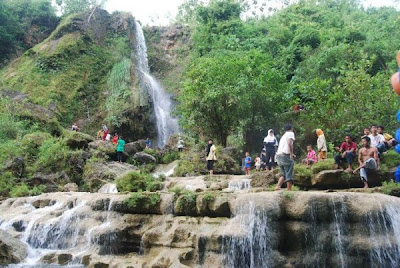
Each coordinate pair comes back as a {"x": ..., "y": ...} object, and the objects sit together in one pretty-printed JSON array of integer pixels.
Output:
[
  {"x": 347, "y": 152},
  {"x": 115, "y": 138}
]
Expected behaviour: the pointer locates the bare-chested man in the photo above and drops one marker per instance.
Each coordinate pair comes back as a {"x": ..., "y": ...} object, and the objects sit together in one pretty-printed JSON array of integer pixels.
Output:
[{"x": 368, "y": 160}]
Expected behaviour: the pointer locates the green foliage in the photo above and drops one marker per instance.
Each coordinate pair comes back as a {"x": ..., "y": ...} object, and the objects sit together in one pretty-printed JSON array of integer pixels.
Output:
[
  {"x": 187, "y": 201},
  {"x": 23, "y": 190},
  {"x": 136, "y": 182},
  {"x": 32, "y": 142},
  {"x": 53, "y": 155},
  {"x": 176, "y": 190},
  {"x": 209, "y": 196},
  {"x": 216, "y": 99},
  {"x": 6, "y": 183},
  {"x": 288, "y": 195},
  {"x": 146, "y": 200},
  {"x": 170, "y": 157},
  {"x": 77, "y": 6},
  {"x": 391, "y": 159},
  {"x": 391, "y": 188},
  {"x": 118, "y": 92}
]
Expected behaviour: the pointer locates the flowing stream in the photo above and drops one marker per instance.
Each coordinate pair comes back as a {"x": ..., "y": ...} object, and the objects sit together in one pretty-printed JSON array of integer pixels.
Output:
[{"x": 166, "y": 124}]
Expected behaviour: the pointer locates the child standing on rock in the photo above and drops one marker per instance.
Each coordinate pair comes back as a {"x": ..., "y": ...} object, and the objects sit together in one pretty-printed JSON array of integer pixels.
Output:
[{"x": 247, "y": 163}]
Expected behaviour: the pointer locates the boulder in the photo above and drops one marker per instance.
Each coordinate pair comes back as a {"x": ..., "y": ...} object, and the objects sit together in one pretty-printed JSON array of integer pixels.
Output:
[
  {"x": 78, "y": 140},
  {"x": 339, "y": 179},
  {"x": 16, "y": 166},
  {"x": 143, "y": 158},
  {"x": 11, "y": 249},
  {"x": 106, "y": 147},
  {"x": 212, "y": 204},
  {"x": 262, "y": 179},
  {"x": 132, "y": 148},
  {"x": 71, "y": 187},
  {"x": 99, "y": 173},
  {"x": 51, "y": 181}
]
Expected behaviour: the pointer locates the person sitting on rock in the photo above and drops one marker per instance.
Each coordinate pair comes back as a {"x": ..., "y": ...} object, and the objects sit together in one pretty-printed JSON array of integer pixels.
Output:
[
  {"x": 74, "y": 127},
  {"x": 120, "y": 148},
  {"x": 377, "y": 140},
  {"x": 368, "y": 160},
  {"x": 367, "y": 131},
  {"x": 389, "y": 141},
  {"x": 347, "y": 152},
  {"x": 311, "y": 156}
]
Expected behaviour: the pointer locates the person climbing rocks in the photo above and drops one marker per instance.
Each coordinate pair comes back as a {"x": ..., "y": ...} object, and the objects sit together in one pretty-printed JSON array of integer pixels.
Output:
[
  {"x": 180, "y": 144},
  {"x": 285, "y": 158},
  {"x": 270, "y": 144},
  {"x": 120, "y": 148},
  {"x": 247, "y": 164},
  {"x": 211, "y": 156},
  {"x": 115, "y": 138},
  {"x": 321, "y": 145},
  {"x": 105, "y": 131},
  {"x": 368, "y": 160},
  {"x": 148, "y": 143},
  {"x": 347, "y": 152}
]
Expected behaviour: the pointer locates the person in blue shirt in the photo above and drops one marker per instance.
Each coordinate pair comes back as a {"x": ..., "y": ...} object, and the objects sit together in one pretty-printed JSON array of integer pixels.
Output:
[
  {"x": 148, "y": 143},
  {"x": 247, "y": 163}
]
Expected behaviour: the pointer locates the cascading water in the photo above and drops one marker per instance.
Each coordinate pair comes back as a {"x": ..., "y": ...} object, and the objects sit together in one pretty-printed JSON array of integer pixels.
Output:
[
  {"x": 239, "y": 184},
  {"x": 166, "y": 125}
]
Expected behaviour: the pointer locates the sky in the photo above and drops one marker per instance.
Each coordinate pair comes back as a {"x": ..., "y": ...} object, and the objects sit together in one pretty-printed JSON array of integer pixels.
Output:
[{"x": 160, "y": 12}]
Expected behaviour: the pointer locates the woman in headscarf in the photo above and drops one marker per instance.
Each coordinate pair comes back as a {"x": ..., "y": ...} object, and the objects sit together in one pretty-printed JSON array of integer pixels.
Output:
[
  {"x": 270, "y": 144},
  {"x": 321, "y": 145}
]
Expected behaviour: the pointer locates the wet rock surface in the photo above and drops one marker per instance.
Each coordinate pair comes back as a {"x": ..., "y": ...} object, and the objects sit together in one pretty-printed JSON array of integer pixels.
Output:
[{"x": 12, "y": 250}]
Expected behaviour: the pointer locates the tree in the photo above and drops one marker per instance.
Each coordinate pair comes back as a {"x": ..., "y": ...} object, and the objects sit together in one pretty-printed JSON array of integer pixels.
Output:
[
  {"x": 77, "y": 6},
  {"x": 229, "y": 91}
]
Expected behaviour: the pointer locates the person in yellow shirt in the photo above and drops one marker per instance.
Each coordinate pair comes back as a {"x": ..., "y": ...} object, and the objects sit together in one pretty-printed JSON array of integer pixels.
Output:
[{"x": 211, "y": 156}]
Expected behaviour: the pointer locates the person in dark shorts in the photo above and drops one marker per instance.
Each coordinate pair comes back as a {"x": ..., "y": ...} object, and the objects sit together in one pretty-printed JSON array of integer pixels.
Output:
[
  {"x": 120, "y": 149},
  {"x": 284, "y": 157},
  {"x": 211, "y": 156}
]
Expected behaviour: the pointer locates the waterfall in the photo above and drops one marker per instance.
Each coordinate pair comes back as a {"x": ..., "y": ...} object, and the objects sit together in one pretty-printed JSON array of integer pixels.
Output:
[
  {"x": 166, "y": 125},
  {"x": 108, "y": 188},
  {"x": 239, "y": 184}
]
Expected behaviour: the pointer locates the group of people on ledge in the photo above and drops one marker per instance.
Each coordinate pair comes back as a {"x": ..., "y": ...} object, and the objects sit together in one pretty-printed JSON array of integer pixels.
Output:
[{"x": 374, "y": 143}]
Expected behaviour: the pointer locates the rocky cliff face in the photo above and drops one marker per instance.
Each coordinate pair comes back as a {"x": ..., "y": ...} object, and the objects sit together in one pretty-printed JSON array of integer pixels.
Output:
[{"x": 232, "y": 229}]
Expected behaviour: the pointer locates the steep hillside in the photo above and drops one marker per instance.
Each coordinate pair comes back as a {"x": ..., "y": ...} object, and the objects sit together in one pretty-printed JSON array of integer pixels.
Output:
[{"x": 84, "y": 71}]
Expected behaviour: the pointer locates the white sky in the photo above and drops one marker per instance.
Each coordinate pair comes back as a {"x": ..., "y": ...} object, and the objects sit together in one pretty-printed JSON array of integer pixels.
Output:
[{"x": 160, "y": 12}]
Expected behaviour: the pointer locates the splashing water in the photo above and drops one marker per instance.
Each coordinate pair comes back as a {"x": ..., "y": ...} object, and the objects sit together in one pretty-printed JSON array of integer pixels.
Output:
[
  {"x": 239, "y": 184},
  {"x": 108, "y": 188},
  {"x": 166, "y": 125}
]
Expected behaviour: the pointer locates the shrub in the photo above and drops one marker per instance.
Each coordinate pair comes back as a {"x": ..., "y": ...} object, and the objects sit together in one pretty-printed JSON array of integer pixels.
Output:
[
  {"x": 391, "y": 188},
  {"x": 20, "y": 190},
  {"x": 147, "y": 200},
  {"x": 32, "y": 142},
  {"x": 6, "y": 183},
  {"x": 187, "y": 202},
  {"x": 52, "y": 155},
  {"x": 148, "y": 168},
  {"x": 301, "y": 170},
  {"x": 391, "y": 159},
  {"x": 209, "y": 197},
  {"x": 135, "y": 182},
  {"x": 170, "y": 157},
  {"x": 176, "y": 190}
]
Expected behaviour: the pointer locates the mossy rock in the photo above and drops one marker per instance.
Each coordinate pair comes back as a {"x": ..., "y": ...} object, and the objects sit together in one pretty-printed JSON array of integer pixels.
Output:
[
  {"x": 78, "y": 140},
  {"x": 213, "y": 204},
  {"x": 140, "y": 203},
  {"x": 186, "y": 205}
]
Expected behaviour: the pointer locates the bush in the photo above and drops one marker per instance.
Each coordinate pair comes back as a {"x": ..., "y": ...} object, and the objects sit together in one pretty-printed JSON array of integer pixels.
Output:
[
  {"x": 147, "y": 200},
  {"x": 135, "y": 182},
  {"x": 32, "y": 142},
  {"x": 6, "y": 183},
  {"x": 20, "y": 190},
  {"x": 391, "y": 188},
  {"x": 176, "y": 190},
  {"x": 187, "y": 202},
  {"x": 53, "y": 155},
  {"x": 170, "y": 157},
  {"x": 209, "y": 197},
  {"x": 391, "y": 159}
]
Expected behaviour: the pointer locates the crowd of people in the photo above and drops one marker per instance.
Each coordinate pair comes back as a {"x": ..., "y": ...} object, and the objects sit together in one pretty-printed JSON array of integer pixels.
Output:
[{"x": 374, "y": 143}]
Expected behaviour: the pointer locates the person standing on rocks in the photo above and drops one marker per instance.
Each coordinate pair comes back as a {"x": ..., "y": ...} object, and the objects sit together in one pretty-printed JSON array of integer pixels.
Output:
[
  {"x": 120, "y": 148},
  {"x": 368, "y": 160},
  {"x": 211, "y": 156},
  {"x": 270, "y": 144},
  {"x": 321, "y": 144},
  {"x": 105, "y": 131},
  {"x": 285, "y": 158},
  {"x": 180, "y": 144}
]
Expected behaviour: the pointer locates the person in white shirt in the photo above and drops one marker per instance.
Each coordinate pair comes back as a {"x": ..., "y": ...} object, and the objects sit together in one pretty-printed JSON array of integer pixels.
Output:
[
  {"x": 377, "y": 140},
  {"x": 285, "y": 156}
]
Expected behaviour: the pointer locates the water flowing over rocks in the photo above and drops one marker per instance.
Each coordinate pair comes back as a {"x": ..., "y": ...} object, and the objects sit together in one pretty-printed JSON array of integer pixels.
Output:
[{"x": 239, "y": 229}]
